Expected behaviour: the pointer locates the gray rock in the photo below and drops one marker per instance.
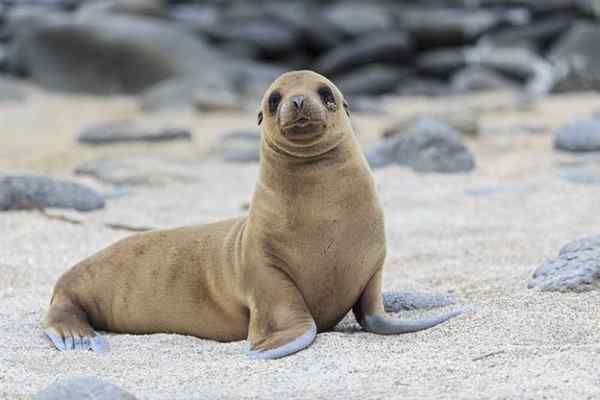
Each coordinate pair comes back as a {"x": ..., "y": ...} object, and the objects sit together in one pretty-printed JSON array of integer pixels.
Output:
[
  {"x": 26, "y": 192},
  {"x": 239, "y": 146},
  {"x": 576, "y": 269},
  {"x": 139, "y": 171},
  {"x": 217, "y": 99},
  {"x": 579, "y": 136},
  {"x": 464, "y": 120},
  {"x": 371, "y": 80},
  {"x": 357, "y": 18},
  {"x": 11, "y": 90},
  {"x": 577, "y": 54},
  {"x": 379, "y": 47},
  {"x": 199, "y": 18},
  {"x": 540, "y": 33},
  {"x": 417, "y": 86},
  {"x": 112, "y": 54},
  {"x": 476, "y": 79},
  {"x": 438, "y": 26},
  {"x": 407, "y": 301},
  {"x": 442, "y": 62},
  {"x": 84, "y": 388},
  {"x": 146, "y": 8},
  {"x": 128, "y": 131},
  {"x": 587, "y": 174},
  {"x": 429, "y": 146}
]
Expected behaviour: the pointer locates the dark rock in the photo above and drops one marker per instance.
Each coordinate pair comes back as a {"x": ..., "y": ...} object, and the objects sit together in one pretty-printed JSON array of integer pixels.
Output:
[
  {"x": 113, "y": 54},
  {"x": 11, "y": 90},
  {"x": 578, "y": 56},
  {"x": 371, "y": 80},
  {"x": 428, "y": 146},
  {"x": 139, "y": 171},
  {"x": 441, "y": 62},
  {"x": 476, "y": 79},
  {"x": 84, "y": 388},
  {"x": 435, "y": 27},
  {"x": 464, "y": 120},
  {"x": 357, "y": 18},
  {"x": 394, "y": 302},
  {"x": 579, "y": 136},
  {"x": 27, "y": 192},
  {"x": 128, "y": 131},
  {"x": 576, "y": 269},
  {"x": 392, "y": 46},
  {"x": 540, "y": 32},
  {"x": 252, "y": 78},
  {"x": 239, "y": 146}
]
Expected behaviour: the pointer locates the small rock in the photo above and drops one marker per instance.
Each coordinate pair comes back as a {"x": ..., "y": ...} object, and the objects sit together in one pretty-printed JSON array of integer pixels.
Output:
[
  {"x": 465, "y": 121},
  {"x": 576, "y": 269},
  {"x": 208, "y": 100},
  {"x": 381, "y": 47},
  {"x": 478, "y": 79},
  {"x": 405, "y": 301},
  {"x": 239, "y": 146},
  {"x": 429, "y": 146},
  {"x": 27, "y": 192},
  {"x": 442, "y": 62},
  {"x": 84, "y": 388},
  {"x": 587, "y": 174},
  {"x": 371, "y": 80},
  {"x": 579, "y": 136},
  {"x": 577, "y": 54},
  {"x": 128, "y": 131},
  {"x": 416, "y": 86},
  {"x": 139, "y": 171}
]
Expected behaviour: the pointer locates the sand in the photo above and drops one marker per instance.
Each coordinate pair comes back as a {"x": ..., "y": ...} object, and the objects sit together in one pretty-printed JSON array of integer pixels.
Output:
[{"x": 478, "y": 236}]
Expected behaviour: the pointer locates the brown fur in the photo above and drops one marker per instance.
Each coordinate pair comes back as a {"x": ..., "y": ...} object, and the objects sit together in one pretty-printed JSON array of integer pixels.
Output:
[{"x": 312, "y": 242}]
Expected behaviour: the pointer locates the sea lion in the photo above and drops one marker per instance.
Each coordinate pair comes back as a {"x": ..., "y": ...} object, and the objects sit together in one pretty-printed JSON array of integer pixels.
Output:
[{"x": 311, "y": 248}]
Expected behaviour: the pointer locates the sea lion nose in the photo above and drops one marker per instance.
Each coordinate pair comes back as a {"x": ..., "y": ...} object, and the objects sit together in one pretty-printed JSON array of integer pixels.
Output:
[{"x": 297, "y": 101}]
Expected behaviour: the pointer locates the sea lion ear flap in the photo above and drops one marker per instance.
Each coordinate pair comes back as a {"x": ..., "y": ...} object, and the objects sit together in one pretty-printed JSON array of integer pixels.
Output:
[
  {"x": 260, "y": 118},
  {"x": 346, "y": 108}
]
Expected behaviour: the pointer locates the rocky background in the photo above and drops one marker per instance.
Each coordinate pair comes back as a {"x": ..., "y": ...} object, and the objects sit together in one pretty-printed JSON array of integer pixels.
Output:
[{"x": 480, "y": 119}]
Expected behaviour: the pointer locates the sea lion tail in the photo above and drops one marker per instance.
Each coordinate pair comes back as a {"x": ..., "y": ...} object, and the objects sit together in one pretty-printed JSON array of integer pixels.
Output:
[{"x": 383, "y": 325}]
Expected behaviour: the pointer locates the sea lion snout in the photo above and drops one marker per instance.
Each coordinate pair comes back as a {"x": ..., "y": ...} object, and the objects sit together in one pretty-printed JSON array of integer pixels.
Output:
[{"x": 302, "y": 117}]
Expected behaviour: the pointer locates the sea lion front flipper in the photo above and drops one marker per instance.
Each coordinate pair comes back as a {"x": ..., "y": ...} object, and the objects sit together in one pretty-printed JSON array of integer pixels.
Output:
[
  {"x": 280, "y": 322},
  {"x": 371, "y": 316}
]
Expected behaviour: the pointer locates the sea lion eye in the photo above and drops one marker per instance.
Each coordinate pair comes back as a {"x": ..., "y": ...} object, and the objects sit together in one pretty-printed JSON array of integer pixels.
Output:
[
  {"x": 274, "y": 100},
  {"x": 327, "y": 98}
]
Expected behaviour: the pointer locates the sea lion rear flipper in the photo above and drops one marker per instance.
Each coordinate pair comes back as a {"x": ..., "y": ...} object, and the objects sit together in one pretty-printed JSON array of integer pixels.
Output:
[
  {"x": 371, "y": 316},
  {"x": 68, "y": 329},
  {"x": 280, "y": 322}
]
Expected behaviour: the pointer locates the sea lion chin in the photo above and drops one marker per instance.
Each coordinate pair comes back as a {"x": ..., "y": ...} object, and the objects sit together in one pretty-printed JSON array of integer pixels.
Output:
[{"x": 311, "y": 248}]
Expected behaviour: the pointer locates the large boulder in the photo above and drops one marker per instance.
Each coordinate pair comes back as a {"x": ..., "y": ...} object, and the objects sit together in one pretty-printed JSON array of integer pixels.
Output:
[{"x": 113, "y": 54}]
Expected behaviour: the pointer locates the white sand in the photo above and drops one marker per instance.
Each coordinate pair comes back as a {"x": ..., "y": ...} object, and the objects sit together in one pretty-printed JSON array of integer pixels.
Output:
[{"x": 482, "y": 249}]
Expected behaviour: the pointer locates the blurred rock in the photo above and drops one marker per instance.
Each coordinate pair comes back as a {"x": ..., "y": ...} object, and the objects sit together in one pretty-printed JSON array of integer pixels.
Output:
[
  {"x": 200, "y": 18},
  {"x": 113, "y": 54},
  {"x": 207, "y": 100},
  {"x": 239, "y": 146},
  {"x": 416, "y": 86},
  {"x": 251, "y": 78},
  {"x": 442, "y": 62},
  {"x": 28, "y": 192},
  {"x": 11, "y": 90},
  {"x": 477, "y": 79},
  {"x": 371, "y": 80},
  {"x": 357, "y": 18},
  {"x": 382, "y": 47},
  {"x": 428, "y": 146},
  {"x": 436, "y": 27},
  {"x": 577, "y": 268},
  {"x": 465, "y": 121},
  {"x": 83, "y": 388},
  {"x": 139, "y": 171},
  {"x": 579, "y": 136},
  {"x": 578, "y": 56},
  {"x": 588, "y": 174},
  {"x": 128, "y": 131},
  {"x": 146, "y": 8},
  {"x": 394, "y": 302},
  {"x": 540, "y": 33}
]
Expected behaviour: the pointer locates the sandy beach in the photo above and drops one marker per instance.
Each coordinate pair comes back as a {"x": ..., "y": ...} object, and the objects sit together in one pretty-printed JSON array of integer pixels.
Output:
[{"x": 477, "y": 236}]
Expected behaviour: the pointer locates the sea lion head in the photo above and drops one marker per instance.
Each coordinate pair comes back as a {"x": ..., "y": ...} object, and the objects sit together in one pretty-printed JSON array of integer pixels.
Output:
[{"x": 304, "y": 114}]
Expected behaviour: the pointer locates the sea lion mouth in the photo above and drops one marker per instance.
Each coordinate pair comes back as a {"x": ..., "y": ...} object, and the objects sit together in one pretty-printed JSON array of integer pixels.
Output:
[{"x": 303, "y": 128}]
